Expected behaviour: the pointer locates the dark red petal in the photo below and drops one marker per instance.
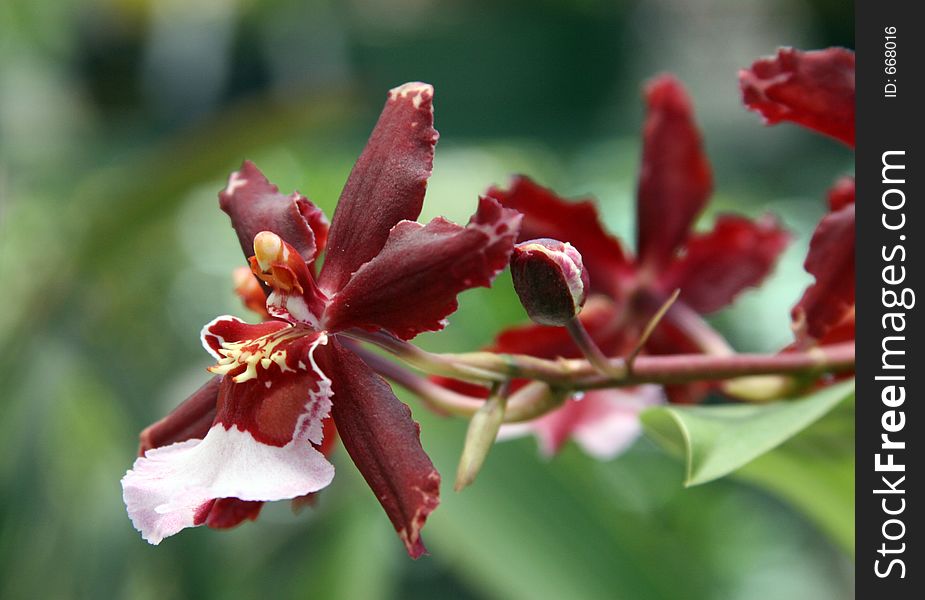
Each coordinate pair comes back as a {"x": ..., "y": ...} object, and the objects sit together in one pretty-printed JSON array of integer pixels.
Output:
[
  {"x": 382, "y": 439},
  {"x": 548, "y": 215},
  {"x": 190, "y": 420},
  {"x": 675, "y": 180},
  {"x": 814, "y": 89},
  {"x": 844, "y": 331},
  {"x": 387, "y": 183},
  {"x": 225, "y": 513},
  {"x": 270, "y": 415},
  {"x": 738, "y": 253},
  {"x": 841, "y": 194},
  {"x": 254, "y": 205},
  {"x": 411, "y": 285},
  {"x": 827, "y": 302}
]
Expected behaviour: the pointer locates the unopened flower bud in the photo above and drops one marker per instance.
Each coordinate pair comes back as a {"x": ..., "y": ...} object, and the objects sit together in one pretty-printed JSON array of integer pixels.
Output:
[
  {"x": 480, "y": 437},
  {"x": 550, "y": 280},
  {"x": 248, "y": 289}
]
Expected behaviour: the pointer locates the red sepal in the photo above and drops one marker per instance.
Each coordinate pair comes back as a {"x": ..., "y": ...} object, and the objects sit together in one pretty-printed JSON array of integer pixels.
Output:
[
  {"x": 386, "y": 185},
  {"x": 814, "y": 89},
  {"x": 675, "y": 180},
  {"x": 384, "y": 442},
  {"x": 826, "y": 303},
  {"x": 411, "y": 285},
  {"x": 718, "y": 265},
  {"x": 254, "y": 205}
]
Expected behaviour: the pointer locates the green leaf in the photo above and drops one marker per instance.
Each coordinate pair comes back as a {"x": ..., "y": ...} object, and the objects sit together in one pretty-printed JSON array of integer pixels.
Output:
[
  {"x": 717, "y": 440},
  {"x": 814, "y": 471}
]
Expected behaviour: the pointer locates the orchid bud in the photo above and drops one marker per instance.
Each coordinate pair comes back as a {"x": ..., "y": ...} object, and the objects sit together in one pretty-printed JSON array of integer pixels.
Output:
[
  {"x": 550, "y": 280},
  {"x": 481, "y": 435},
  {"x": 248, "y": 289}
]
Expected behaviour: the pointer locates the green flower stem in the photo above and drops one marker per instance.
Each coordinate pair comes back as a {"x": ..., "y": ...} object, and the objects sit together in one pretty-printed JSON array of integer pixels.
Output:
[
  {"x": 578, "y": 374},
  {"x": 529, "y": 402},
  {"x": 553, "y": 379},
  {"x": 429, "y": 362},
  {"x": 588, "y": 346}
]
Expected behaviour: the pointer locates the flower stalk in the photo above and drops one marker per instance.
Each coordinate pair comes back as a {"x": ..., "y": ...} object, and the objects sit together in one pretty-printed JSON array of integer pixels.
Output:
[
  {"x": 650, "y": 327},
  {"x": 579, "y": 374},
  {"x": 552, "y": 379},
  {"x": 588, "y": 347}
]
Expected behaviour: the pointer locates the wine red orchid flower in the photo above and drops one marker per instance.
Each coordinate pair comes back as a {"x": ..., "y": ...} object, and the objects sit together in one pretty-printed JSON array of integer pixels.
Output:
[
  {"x": 710, "y": 269},
  {"x": 256, "y": 432},
  {"x": 816, "y": 89}
]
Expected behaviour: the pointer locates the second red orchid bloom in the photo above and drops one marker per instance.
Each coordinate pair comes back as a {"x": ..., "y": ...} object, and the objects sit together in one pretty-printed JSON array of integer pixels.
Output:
[{"x": 711, "y": 269}]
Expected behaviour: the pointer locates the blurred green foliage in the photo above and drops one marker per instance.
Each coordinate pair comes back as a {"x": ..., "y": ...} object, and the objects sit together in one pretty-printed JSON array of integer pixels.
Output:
[{"x": 120, "y": 119}]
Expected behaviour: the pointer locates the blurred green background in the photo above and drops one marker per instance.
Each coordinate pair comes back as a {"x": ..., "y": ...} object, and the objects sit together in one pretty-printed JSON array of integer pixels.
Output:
[{"x": 119, "y": 122}]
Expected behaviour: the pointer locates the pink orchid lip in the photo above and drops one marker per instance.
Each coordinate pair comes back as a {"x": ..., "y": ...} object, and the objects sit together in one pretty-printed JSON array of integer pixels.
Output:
[
  {"x": 254, "y": 451},
  {"x": 603, "y": 423}
]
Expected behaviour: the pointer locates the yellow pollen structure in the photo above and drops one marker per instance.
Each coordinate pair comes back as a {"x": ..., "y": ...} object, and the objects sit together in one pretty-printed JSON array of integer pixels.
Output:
[
  {"x": 250, "y": 353},
  {"x": 269, "y": 248}
]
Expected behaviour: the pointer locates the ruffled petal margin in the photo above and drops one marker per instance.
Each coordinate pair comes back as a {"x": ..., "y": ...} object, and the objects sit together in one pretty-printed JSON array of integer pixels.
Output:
[
  {"x": 411, "y": 285},
  {"x": 814, "y": 89},
  {"x": 829, "y": 302},
  {"x": 254, "y": 205},
  {"x": 717, "y": 266}
]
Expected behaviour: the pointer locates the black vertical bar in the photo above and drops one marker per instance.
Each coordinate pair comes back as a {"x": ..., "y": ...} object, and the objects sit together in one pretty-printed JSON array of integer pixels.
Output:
[{"x": 889, "y": 254}]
